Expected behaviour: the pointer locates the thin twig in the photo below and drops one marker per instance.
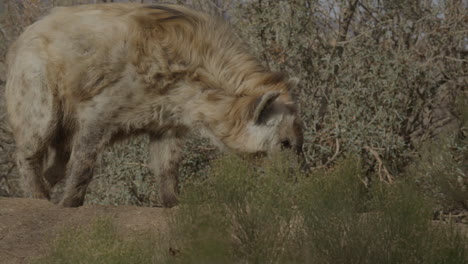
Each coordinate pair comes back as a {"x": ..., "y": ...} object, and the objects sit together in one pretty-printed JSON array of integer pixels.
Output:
[
  {"x": 382, "y": 168},
  {"x": 351, "y": 39},
  {"x": 368, "y": 11},
  {"x": 133, "y": 190},
  {"x": 337, "y": 152},
  {"x": 455, "y": 59},
  {"x": 441, "y": 57},
  {"x": 136, "y": 164},
  {"x": 343, "y": 29}
]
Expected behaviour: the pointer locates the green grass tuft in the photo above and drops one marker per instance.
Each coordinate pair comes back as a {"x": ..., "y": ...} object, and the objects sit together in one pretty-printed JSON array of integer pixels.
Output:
[{"x": 100, "y": 243}]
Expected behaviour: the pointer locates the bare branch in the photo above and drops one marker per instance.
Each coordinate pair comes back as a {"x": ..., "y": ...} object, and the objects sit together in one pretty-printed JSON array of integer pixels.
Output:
[{"x": 384, "y": 175}]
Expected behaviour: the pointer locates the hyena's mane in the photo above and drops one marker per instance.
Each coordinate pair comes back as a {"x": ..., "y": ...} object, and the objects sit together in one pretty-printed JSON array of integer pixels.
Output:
[
  {"x": 209, "y": 46},
  {"x": 205, "y": 49}
]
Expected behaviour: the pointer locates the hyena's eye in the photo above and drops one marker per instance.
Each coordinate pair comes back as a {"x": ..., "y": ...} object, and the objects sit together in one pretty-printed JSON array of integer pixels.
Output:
[{"x": 285, "y": 144}]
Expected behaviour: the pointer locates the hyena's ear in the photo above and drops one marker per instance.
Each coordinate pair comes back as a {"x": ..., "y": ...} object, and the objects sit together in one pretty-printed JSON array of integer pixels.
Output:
[{"x": 261, "y": 105}]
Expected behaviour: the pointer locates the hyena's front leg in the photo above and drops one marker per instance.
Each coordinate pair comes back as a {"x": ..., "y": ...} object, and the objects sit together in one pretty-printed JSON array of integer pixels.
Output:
[
  {"x": 165, "y": 157},
  {"x": 30, "y": 169},
  {"x": 86, "y": 147}
]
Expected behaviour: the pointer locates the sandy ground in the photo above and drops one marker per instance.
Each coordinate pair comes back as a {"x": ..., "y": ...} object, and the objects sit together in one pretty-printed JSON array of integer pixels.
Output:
[{"x": 28, "y": 226}]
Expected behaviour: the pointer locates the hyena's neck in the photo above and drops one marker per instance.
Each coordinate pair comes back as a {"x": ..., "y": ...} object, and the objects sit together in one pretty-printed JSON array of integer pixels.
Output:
[
  {"x": 214, "y": 113},
  {"x": 236, "y": 72}
]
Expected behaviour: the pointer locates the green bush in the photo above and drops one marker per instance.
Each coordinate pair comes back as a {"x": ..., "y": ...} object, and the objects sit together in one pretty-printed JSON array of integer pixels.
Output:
[
  {"x": 277, "y": 215},
  {"x": 441, "y": 168}
]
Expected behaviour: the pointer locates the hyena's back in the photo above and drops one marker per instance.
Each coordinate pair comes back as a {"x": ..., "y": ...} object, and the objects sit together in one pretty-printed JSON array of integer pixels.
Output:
[
  {"x": 77, "y": 51},
  {"x": 64, "y": 59}
]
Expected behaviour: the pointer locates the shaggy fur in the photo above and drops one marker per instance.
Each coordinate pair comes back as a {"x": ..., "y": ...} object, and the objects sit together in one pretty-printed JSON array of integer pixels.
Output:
[{"x": 84, "y": 76}]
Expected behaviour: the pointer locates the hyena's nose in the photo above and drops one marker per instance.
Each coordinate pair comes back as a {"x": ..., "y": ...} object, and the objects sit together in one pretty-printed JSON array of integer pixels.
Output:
[{"x": 286, "y": 144}]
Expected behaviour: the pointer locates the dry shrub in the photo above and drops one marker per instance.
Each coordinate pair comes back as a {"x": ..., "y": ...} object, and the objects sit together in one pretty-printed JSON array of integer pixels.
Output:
[{"x": 373, "y": 75}]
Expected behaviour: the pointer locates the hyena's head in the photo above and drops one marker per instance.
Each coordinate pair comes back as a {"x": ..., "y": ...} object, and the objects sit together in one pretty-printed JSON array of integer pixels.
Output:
[
  {"x": 272, "y": 124},
  {"x": 275, "y": 125}
]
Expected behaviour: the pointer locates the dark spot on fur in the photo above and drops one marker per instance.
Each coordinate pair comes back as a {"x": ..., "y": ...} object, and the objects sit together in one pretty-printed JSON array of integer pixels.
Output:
[
  {"x": 274, "y": 78},
  {"x": 130, "y": 96},
  {"x": 180, "y": 131},
  {"x": 213, "y": 97},
  {"x": 18, "y": 108},
  {"x": 165, "y": 89},
  {"x": 36, "y": 137}
]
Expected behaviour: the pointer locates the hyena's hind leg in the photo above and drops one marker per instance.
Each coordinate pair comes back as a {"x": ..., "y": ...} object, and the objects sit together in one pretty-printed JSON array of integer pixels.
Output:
[
  {"x": 31, "y": 148},
  {"x": 165, "y": 157},
  {"x": 32, "y": 118}
]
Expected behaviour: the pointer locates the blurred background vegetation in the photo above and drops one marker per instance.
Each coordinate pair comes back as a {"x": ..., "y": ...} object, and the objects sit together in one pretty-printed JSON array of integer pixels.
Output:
[{"x": 384, "y": 80}]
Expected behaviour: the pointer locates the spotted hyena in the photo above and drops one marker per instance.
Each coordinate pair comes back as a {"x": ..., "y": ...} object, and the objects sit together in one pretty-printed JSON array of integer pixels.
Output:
[{"x": 84, "y": 76}]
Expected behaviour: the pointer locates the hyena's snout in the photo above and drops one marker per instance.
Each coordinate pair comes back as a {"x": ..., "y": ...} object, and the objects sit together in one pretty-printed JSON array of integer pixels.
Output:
[
  {"x": 295, "y": 147},
  {"x": 289, "y": 145}
]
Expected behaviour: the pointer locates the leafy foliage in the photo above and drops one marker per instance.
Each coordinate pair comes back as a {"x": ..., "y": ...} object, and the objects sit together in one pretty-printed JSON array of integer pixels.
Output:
[{"x": 278, "y": 215}]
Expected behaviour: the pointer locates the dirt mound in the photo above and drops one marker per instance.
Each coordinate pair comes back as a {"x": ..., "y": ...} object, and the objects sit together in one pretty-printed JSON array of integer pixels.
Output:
[{"x": 28, "y": 226}]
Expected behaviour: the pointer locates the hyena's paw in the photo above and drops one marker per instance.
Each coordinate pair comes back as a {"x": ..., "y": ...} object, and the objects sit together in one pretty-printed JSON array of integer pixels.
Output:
[
  {"x": 37, "y": 192},
  {"x": 38, "y": 195},
  {"x": 72, "y": 201}
]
